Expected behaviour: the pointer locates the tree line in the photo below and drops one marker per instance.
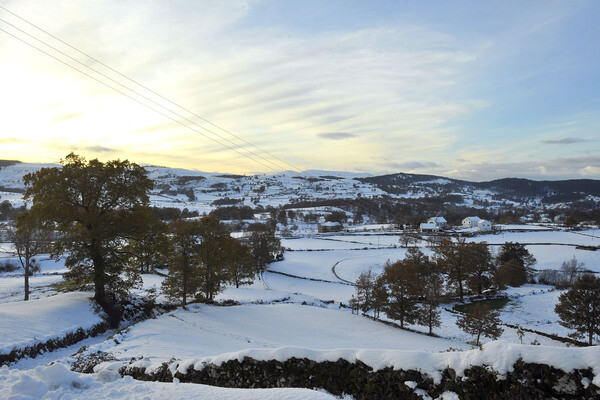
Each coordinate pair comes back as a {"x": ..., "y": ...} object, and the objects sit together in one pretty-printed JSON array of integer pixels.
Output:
[
  {"x": 411, "y": 290},
  {"x": 100, "y": 219}
]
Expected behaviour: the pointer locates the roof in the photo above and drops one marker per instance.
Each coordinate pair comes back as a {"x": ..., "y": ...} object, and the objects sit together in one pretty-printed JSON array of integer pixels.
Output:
[
  {"x": 331, "y": 223},
  {"x": 439, "y": 220},
  {"x": 425, "y": 225},
  {"x": 473, "y": 219}
]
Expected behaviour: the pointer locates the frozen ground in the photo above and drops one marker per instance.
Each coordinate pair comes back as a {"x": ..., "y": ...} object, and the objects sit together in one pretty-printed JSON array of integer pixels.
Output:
[
  {"x": 58, "y": 382},
  {"x": 25, "y": 323},
  {"x": 203, "y": 331},
  {"x": 271, "y": 321},
  {"x": 11, "y": 283}
]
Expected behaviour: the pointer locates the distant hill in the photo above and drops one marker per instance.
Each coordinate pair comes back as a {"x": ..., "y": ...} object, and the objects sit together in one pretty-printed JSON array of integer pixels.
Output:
[
  {"x": 547, "y": 191},
  {"x": 403, "y": 193},
  {"x": 8, "y": 163}
]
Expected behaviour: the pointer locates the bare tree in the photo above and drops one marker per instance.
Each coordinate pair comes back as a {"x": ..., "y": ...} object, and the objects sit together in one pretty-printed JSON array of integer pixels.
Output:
[
  {"x": 408, "y": 239},
  {"x": 571, "y": 270},
  {"x": 29, "y": 241}
]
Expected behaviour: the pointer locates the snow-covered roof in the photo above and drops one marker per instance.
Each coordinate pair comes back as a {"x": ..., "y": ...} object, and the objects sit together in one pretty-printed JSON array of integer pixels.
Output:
[
  {"x": 473, "y": 219},
  {"x": 439, "y": 220},
  {"x": 331, "y": 223},
  {"x": 426, "y": 225}
]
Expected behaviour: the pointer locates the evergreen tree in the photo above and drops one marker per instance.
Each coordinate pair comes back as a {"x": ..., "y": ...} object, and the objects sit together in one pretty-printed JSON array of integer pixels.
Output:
[
  {"x": 481, "y": 321},
  {"x": 579, "y": 307}
]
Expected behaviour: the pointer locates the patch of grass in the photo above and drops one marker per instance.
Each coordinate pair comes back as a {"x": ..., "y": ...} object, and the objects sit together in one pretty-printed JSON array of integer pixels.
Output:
[
  {"x": 66, "y": 286},
  {"x": 493, "y": 304}
]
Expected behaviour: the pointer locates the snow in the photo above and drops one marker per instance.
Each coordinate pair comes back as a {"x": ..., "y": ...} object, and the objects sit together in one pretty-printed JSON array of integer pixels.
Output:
[
  {"x": 57, "y": 382},
  {"x": 337, "y": 292},
  {"x": 271, "y": 321},
  {"x": 28, "y": 322},
  {"x": 498, "y": 355},
  {"x": 11, "y": 283},
  {"x": 203, "y": 331}
]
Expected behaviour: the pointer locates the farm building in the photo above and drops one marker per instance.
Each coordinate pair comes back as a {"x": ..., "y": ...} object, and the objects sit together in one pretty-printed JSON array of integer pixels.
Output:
[
  {"x": 484, "y": 225},
  {"x": 428, "y": 227},
  {"x": 470, "y": 222},
  {"x": 440, "y": 222},
  {"x": 330, "y": 227}
]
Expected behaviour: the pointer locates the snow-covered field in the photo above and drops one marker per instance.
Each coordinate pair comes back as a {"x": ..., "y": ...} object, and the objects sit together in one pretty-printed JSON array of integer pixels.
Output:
[
  {"x": 297, "y": 309},
  {"x": 35, "y": 321}
]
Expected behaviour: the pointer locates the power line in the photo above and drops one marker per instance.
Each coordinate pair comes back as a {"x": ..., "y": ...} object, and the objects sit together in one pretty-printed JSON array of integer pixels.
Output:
[
  {"x": 250, "y": 153},
  {"x": 140, "y": 95},
  {"x": 151, "y": 91},
  {"x": 358, "y": 200},
  {"x": 129, "y": 96}
]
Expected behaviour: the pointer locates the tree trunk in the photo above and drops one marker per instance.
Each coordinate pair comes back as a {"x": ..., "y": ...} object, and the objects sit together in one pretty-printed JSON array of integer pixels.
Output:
[
  {"x": 27, "y": 268},
  {"x": 207, "y": 290},
  {"x": 99, "y": 278},
  {"x": 184, "y": 286},
  {"x": 430, "y": 320}
]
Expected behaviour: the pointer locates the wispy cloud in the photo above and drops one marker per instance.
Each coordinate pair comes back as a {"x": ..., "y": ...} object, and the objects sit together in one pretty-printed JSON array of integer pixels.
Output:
[
  {"x": 565, "y": 141},
  {"x": 100, "y": 149},
  {"x": 336, "y": 135},
  {"x": 555, "y": 168},
  {"x": 411, "y": 165},
  {"x": 11, "y": 140},
  {"x": 65, "y": 117}
]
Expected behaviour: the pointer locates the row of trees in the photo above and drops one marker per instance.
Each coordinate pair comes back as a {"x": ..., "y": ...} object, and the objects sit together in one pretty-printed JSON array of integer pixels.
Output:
[
  {"x": 101, "y": 221},
  {"x": 410, "y": 290}
]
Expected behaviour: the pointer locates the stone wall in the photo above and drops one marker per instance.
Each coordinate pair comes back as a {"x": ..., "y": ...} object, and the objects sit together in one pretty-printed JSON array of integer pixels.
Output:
[{"x": 527, "y": 381}]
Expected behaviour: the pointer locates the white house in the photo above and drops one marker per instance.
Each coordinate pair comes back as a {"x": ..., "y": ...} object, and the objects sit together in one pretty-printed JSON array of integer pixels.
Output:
[
  {"x": 484, "y": 225},
  {"x": 428, "y": 227},
  {"x": 470, "y": 222},
  {"x": 440, "y": 222}
]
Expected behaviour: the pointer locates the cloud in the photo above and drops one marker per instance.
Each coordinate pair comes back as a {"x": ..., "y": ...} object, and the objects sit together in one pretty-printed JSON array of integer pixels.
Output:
[
  {"x": 66, "y": 117},
  {"x": 336, "y": 135},
  {"x": 11, "y": 140},
  {"x": 412, "y": 165},
  {"x": 590, "y": 170},
  {"x": 565, "y": 141},
  {"x": 549, "y": 169},
  {"x": 99, "y": 149}
]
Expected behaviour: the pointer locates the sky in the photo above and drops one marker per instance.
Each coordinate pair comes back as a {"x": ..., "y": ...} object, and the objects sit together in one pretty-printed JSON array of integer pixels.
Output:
[{"x": 475, "y": 90}]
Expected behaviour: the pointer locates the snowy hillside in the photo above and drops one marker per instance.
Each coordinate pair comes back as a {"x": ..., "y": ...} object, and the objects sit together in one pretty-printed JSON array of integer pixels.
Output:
[{"x": 202, "y": 191}]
